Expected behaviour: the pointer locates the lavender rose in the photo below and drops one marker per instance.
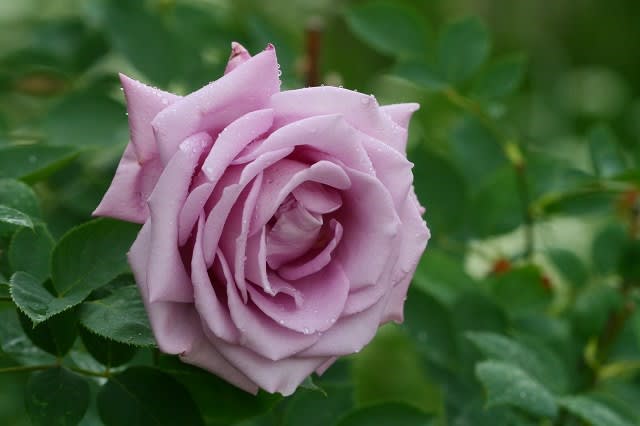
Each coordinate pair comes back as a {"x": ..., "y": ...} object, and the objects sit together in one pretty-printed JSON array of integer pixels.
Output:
[{"x": 280, "y": 228}]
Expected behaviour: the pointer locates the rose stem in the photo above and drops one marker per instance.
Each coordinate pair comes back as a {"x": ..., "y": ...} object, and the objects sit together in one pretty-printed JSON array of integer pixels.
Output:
[{"x": 313, "y": 45}]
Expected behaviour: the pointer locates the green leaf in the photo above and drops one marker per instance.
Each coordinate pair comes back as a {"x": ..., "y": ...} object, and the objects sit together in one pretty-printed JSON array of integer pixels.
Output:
[
  {"x": 520, "y": 290},
  {"x": 56, "y": 335},
  {"x": 90, "y": 255},
  {"x": 220, "y": 402},
  {"x": 387, "y": 414},
  {"x": 501, "y": 78},
  {"x": 462, "y": 49},
  {"x": 15, "y": 343},
  {"x": 146, "y": 396},
  {"x": 606, "y": 156},
  {"x": 496, "y": 211},
  {"x": 629, "y": 264},
  {"x": 536, "y": 360},
  {"x": 142, "y": 36},
  {"x": 56, "y": 397},
  {"x": 507, "y": 384},
  {"x": 389, "y": 27},
  {"x": 19, "y": 196},
  {"x": 607, "y": 248},
  {"x": 476, "y": 151},
  {"x": 14, "y": 217},
  {"x": 570, "y": 266},
  {"x": 430, "y": 324},
  {"x": 326, "y": 408},
  {"x": 30, "y": 251},
  {"x": 442, "y": 276},
  {"x": 106, "y": 351},
  {"x": 405, "y": 379},
  {"x": 120, "y": 317},
  {"x": 440, "y": 184},
  {"x": 33, "y": 162},
  {"x": 592, "y": 411},
  {"x": 592, "y": 307},
  {"x": 30, "y": 295},
  {"x": 420, "y": 73},
  {"x": 86, "y": 119}
]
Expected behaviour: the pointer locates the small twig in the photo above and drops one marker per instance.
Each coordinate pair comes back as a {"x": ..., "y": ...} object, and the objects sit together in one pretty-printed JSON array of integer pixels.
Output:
[
  {"x": 513, "y": 153},
  {"x": 313, "y": 41}
]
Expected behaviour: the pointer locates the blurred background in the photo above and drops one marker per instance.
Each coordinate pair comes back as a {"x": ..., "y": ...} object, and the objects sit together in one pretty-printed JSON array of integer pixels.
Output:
[{"x": 526, "y": 149}]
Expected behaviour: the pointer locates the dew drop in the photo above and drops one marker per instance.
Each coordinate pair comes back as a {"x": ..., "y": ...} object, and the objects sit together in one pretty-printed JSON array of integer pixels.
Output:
[
  {"x": 279, "y": 73},
  {"x": 306, "y": 331}
]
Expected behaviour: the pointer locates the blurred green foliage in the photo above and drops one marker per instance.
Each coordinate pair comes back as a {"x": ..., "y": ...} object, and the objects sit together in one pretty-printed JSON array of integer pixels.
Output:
[{"x": 526, "y": 152}]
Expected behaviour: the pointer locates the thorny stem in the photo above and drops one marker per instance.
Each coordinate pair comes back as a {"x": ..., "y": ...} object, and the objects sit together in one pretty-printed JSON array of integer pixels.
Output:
[{"x": 513, "y": 152}]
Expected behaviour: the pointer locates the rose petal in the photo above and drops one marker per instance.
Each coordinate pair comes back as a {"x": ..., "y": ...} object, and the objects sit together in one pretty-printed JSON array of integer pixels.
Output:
[
  {"x": 283, "y": 177},
  {"x": 259, "y": 333},
  {"x": 283, "y": 376},
  {"x": 308, "y": 265},
  {"x": 214, "y": 314},
  {"x": 317, "y": 198},
  {"x": 350, "y": 333},
  {"x": 191, "y": 210},
  {"x": 233, "y": 139},
  {"x": 400, "y": 113},
  {"x": 415, "y": 236},
  {"x": 256, "y": 269},
  {"x": 174, "y": 325},
  {"x": 392, "y": 169},
  {"x": 143, "y": 104},
  {"x": 330, "y": 134},
  {"x": 370, "y": 226},
  {"x": 126, "y": 198},
  {"x": 205, "y": 355},
  {"x": 228, "y": 197},
  {"x": 247, "y": 88},
  {"x": 324, "y": 295},
  {"x": 239, "y": 55},
  {"x": 294, "y": 233},
  {"x": 360, "y": 110},
  {"x": 168, "y": 280}
]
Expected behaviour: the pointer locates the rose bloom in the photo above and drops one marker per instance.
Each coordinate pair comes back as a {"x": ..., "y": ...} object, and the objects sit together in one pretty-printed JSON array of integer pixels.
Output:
[{"x": 281, "y": 229}]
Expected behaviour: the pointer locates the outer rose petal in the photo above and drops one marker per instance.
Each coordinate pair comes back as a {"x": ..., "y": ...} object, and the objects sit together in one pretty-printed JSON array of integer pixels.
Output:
[
  {"x": 400, "y": 113},
  {"x": 174, "y": 325},
  {"x": 139, "y": 168},
  {"x": 239, "y": 55},
  {"x": 212, "y": 108},
  {"x": 415, "y": 236},
  {"x": 360, "y": 110},
  {"x": 168, "y": 280}
]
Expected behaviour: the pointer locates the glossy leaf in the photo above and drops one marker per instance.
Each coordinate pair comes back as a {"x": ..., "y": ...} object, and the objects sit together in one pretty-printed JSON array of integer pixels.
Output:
[
  {"x": 120, "y": 317},
  {"x": 389, "y": 27},
  {"x": 462, "y": 49},
  {"x": 507, "y": 384},
  {"x": 33, "y": 162},
  {"x": 592, "y": 411},
  {"x": 30, "y": 295},
  {"x": 146, "y": 396},
  {"x": 386, "y": 414},
  {"x": 106, "y": 351},
  {"x": 56, "y": 397},
  {"x": 89, "y": 256},
  {"x": 501, "y": 78},
  {"x": 30, "y": 251},
  {"x": 13, "y": 217}
]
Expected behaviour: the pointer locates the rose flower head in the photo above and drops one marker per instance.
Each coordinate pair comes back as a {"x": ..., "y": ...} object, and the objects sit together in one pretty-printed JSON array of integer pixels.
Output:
[{"x": 281, "y": 229}]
